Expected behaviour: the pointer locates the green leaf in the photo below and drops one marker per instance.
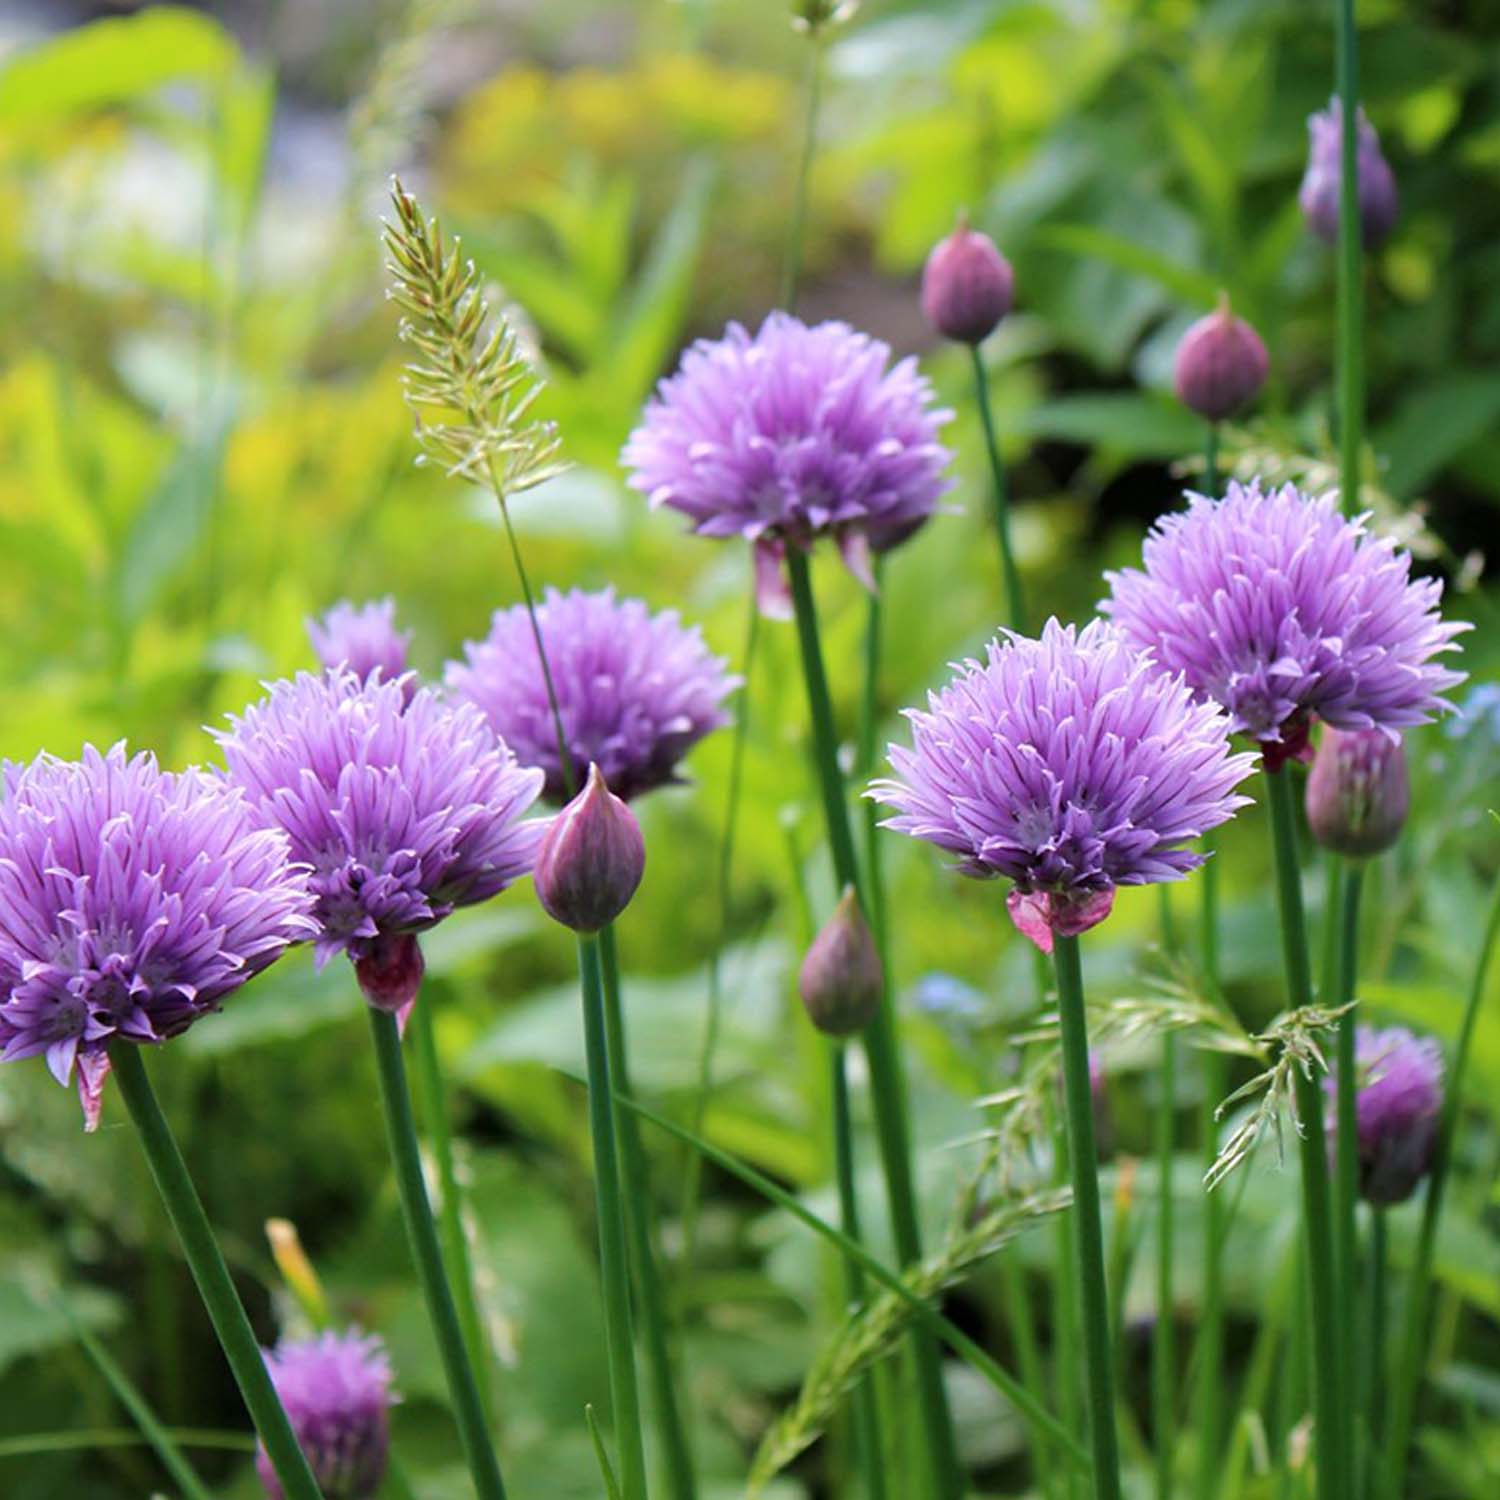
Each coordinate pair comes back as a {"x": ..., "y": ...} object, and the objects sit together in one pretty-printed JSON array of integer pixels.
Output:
[
  {"x": 1129, "y": 426},
  {"x": 1434, "y": 425},
  {"x": 1093, "y": 243}
]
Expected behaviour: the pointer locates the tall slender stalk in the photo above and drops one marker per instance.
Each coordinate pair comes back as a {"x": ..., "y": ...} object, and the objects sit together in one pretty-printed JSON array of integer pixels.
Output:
[
  {"x": 1373, "y": 1393},
  {"x": 401, "y": 1133},
  {"x": 1014, "y": 600},
  {"x": 220, "y": 1300},
  {"x": 886, "y": 1080},
  {"x": 433, "y": 1101},
  {"x": 1323, "y": 1293},
  {"x": 1351, "y": 383},
  {"x": 1415, "y": 1330},
  {"x": 1163, "y": 1373},
  {"x": 1078, "y": 1097},
  {"x": 791, "y": 271},
  {"x": 641, "y": 1229},
  {"x": 613, "y": 1256},
  {"x": 1211, "y": 461}
]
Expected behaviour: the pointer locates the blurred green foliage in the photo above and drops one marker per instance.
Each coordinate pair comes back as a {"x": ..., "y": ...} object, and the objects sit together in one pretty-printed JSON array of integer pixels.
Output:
[{"x": 202, "y": 441}]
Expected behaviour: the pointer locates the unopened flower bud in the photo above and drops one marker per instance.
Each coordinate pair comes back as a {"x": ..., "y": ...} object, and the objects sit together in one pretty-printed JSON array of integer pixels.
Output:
[
  {"x": 1221, "y": 364},
  {"x": 966, "y": 286},
  {"x": 591, "y": 859},
  {"x": 1358, "y": 791},
  {"x": 841, "y": 980},
  {"x": 390, "y": 971},
  {"x": 1319, "y": 193},
  {"x": 1398, "y": 1098}
]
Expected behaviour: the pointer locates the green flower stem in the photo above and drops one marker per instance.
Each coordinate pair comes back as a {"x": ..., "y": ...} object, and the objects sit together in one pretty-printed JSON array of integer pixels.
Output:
[
  {"x": 866, "y": 1413},
  {"x": 1351, "y": 382},
  {"x": 886, "y": 1081},
  {"x": 791, "y": 271},
  {"x": 1014, "y": 600},
  {"x": 1346, "y": 1156},
  {"x": 1317, "y": 1216},
  {"x": 1163, "y": 1375},
  {"x": 1211, "y": 461},
  {"x": 1374, "y": 1390},
  {"x": 613, "y": 1256},
  {"x": 1415, "y": 1330},
  {"x": 201, "y": 1251},
  {"x": 1022, "y": 1322},
  {"x": 640, "y": 1228},
  {"x": 432, "y": 1098},
  {"x": 1088, "y": 1265}
]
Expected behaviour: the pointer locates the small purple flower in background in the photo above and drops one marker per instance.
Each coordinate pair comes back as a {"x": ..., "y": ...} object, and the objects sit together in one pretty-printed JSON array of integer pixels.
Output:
[
  {"x": 792, "y": 434},
  {"x": 1400, "y": 1095},
  {"x": 404, "y": 810},
  {"x": 1276, "y": 606},
  {"x": 966, "y": 286},
  {"x": 1319, "y": 194},
  {"x": 132, "y": 902},
  {"x": 1221, "y": 364},
  {"x": 635, "y": 690},
  {"x": 336, "y": 1390},
  {"x": 361, "y": 637},
  {"x": 1069, "y": 764}
]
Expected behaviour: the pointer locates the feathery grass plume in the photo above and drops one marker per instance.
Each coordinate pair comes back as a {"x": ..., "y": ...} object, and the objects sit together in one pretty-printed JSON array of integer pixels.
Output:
[
  {"x": 1293, "y": 1040},
  {"x": 469, "y": 386},
  {"x": 872, "y": 1331}
]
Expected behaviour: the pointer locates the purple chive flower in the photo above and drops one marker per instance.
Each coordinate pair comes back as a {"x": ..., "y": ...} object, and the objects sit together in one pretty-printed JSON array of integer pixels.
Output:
[
  {"x": 1318, "y": 196},
  {"x": 1400, "y": 1095},
  {"x": 361, "y": 637},
  {"x": 404, "y": 810},
  {"x": 1276, "y": 606},
  {"x": 1070, "y": 765},
  {"x": 636, "y": 691},
  {"x": 132, "y": 902},
  {"x": 336, "y": 1389},
  {"x": 793, "y": 434}
]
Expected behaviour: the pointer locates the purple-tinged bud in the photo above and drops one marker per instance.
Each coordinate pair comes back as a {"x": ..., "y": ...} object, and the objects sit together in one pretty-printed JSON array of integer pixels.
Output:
[
  {"x": 390, "y": 971},
  {"x": 1358, "y": 791},
  {"x": 363, "y": 638},
  {"x": 1399, "y": 1096},
  {"x": 591, "y": 860},
  {"x": 1319, "y": 193},
  {"x": 841, "y": 980},
  {"x": 336, "y": 1390},
  {"x": 1221, "y": 364},
  {"x": 966, "y": 286}
]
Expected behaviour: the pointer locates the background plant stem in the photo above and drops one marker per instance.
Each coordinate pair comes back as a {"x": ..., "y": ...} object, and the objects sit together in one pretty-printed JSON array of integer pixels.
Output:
[
  {"x": 1323, "y": 1293},
  {"x": 886, "y": 1081},
  {"x": 401, "y": 1133},
  {"x": 1078, "y": 1095},
  {"x": 201, "y": 1251},
  {"x": 1014, "y": 600},
  {"x": 614, "y": 1264},
  {"x": 1209, "y": 1353},
  {"x": 1351, "y": 382},
  {"x": 791, "y": 272},
  {"x": 1163, "y": 1373},
  {"x": 1346, "y": 1161}
]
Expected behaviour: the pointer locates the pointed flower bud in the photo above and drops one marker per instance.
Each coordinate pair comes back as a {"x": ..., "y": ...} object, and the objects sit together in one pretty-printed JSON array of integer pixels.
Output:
[
  {"x": 841, "y": 979},
  {"x": 1319, "y": 193},
  {"x": 592, "y": 859},
  {"x": 1358, "y": 791},
  {"x": 1221, "y": 364},
  {"x": 966, "y": 286}
]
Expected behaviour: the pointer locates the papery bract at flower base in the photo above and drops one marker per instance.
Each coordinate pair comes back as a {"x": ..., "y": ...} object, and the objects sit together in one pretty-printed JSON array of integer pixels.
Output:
[
  {"x": 792, "y": 434},
  {"x": 404, "y": 810},
  {"x": 132, "y": 902},
  {"x": 1399, "y": 1099},
  {"x": 362, "y": 638},
  {"x": 336, "y": 1390},
  {"x": 1318, "y": 196},
  {"x": 1281, "y": 609},
  {"x": 1070, "y": 765},
  {"x": 591, "y": 860},
  {"x": 635, "y": 690}
]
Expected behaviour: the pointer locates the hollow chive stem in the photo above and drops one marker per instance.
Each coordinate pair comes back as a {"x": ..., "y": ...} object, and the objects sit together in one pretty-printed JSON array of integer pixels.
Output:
[
  {"x": 401, "y": 1133},
  {"x": 1000, "y": 492},
  {"x": 1346, "y": 1157},
  {"x": 886, "y": 1080},
  {"x": 1088, "y": 1265},
  {"x": 433, "y": 1103},
  {"x": 640, "y": 1228},
  {"x": 1350, "y": 309},
  {"x": 613, "y": 1255},
  {"x": 791, "y": 270},
  {"x": 1415, "y": 1330},
  {"x": 201, "y": 1251},
  {"x": 1211, "y": 461},
  {"x": 1317, "y": 1209},
  {"x": 1163, "y": 1373},
  {"x": 1209, "y": 1353}
]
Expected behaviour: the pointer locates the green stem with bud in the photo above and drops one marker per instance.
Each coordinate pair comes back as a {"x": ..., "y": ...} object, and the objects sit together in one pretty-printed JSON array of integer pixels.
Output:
[{"x": 1014, "y": 602}]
